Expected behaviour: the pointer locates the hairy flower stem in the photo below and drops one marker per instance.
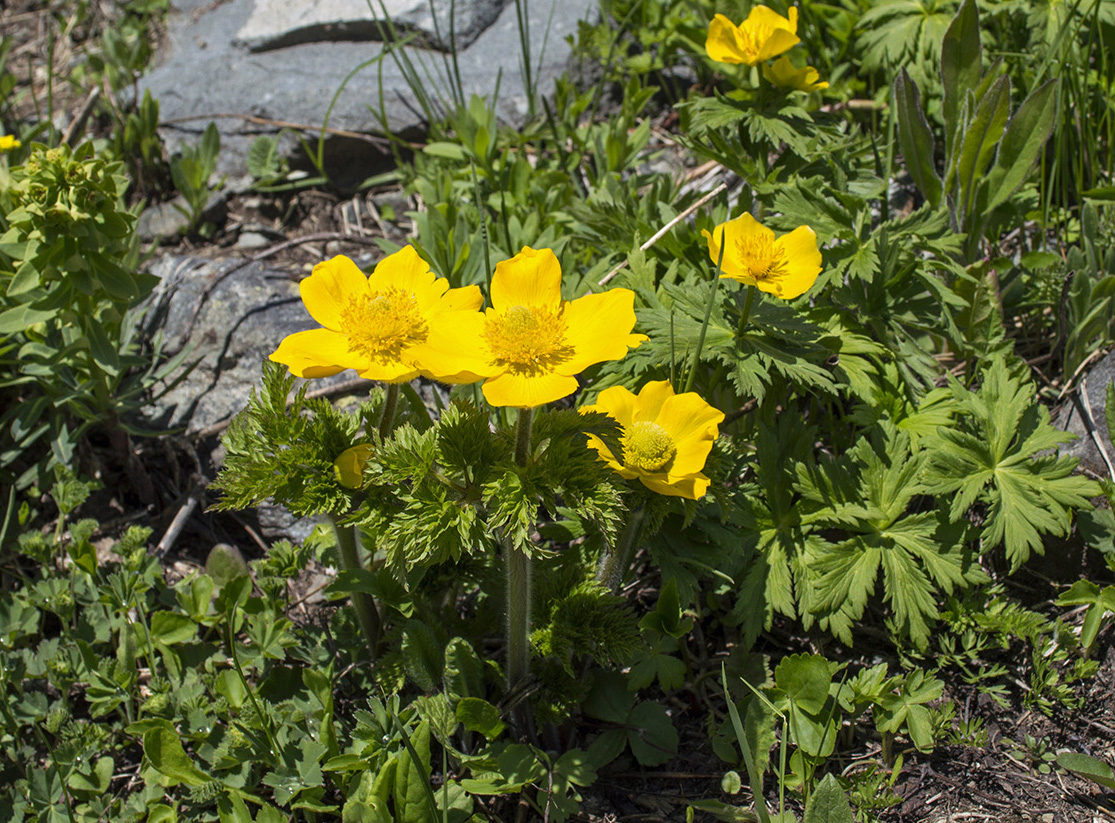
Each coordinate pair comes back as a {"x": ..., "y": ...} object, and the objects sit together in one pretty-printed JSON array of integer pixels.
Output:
[
  {"x": 746, "y": 313},
  {"x": 614, "y": 563},
  {"x": 362, "y": 602},
  {"x": 518, "y": 577},
  {"x": 390, "y": 403}
]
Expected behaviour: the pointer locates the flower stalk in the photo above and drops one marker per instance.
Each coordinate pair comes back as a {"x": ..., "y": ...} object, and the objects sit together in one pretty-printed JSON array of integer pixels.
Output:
[
  {"x": 518, "y": 576},
  {"x": 390, "y": 404},
  {"x": 615, "y": 562},
  {"x": 362, "y": 603}
]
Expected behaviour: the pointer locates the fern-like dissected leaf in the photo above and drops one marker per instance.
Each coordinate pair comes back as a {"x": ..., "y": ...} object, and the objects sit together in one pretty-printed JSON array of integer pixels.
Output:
[
  {"x": 285, "y": 453},
  {"x": 997, "y": 452}
]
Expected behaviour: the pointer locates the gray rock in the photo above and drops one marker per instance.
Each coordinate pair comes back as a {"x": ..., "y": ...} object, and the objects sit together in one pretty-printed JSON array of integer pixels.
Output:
[
  {"x": 230, "y": 333},
  {"x": 207, "y": 73},
  {"x": 1072, "y": 418},
  {"x": 275, "y": 24},
  {"x": 252, "y": 240}
]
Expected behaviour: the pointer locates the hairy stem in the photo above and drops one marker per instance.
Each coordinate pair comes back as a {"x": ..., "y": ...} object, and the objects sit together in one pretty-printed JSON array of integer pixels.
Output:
[
  {"x": 616, "y": 561},
  {"x": 518, "y": 576}
]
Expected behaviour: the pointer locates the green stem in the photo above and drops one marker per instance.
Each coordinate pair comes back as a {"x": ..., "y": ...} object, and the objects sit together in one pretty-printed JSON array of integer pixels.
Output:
[
  {"x": 708, "y": 314},
  {"x": 518, "y": 576},
  {"x": 362, "y": 602},
  {"x": 746, "y": 313},
  {"x": 518, "y": 615},
  {"x": 390, "y": 403},
  {"x": 614, "y": 563}
]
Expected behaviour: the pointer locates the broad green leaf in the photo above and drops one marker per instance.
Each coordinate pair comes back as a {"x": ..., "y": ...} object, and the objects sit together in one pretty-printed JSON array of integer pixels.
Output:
[
  {"x": 479, "y": 715},
  {"x": 653, "y": 738},
  {"x": 961, "y": 65},
  {"x": 805, "y": 679},
  {"x": 1094, "y": 769},
  {"x": 164, "y": 749},
  {"x": 1022, "y": 142},
  {"x": 169, "y": 628},
  {"x": 915, "y": 139},
  {"x": 21, "y": 318},
  {"x": 828, "y": 803}
]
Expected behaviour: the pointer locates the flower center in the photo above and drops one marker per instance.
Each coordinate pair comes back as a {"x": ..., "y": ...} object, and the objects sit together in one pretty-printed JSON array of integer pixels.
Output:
[
  {"x": 527, "y": 339},
  {"x": 647, "y": 446},
  {"x": 383, "y": 324},
  {"x": 761, "y": 257}
]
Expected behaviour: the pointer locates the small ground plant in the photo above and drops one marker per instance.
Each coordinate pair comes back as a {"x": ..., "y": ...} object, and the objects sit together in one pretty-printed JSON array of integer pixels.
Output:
[{"x": 649, "y": 458}]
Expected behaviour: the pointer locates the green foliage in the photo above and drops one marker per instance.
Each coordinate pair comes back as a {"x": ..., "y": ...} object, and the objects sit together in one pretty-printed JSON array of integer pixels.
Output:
[
  {"x": 996, "y": 454},
  {"x": 979, "y": 128},
  {"x": 191, "y": 170},
  {"x": 71, "y": 354},
  {"x": 286, "y": 453}
]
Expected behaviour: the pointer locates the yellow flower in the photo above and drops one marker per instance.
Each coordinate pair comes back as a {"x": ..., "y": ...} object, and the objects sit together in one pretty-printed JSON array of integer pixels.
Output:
[
  {"x": 374, "y": 324},
  {"x": 784, "y": 75},
  {"x": 349, "y": 467},
  {"x": 786, "y": 266},
  {"x": 7, "y": 143},
  {"x": 763, "y": 35},
  {"x": 666, "y": 437},
  {"x": 530, "y": 345}
]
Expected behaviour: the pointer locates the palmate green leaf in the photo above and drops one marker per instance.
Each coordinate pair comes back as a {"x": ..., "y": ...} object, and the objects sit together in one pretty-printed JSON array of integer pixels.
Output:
[
  {"x": 995, "y": 452},
  {"x": 867, "y": 492}
]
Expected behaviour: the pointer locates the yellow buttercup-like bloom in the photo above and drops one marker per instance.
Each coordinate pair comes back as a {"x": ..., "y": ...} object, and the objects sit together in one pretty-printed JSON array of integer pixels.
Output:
[
  {"x": 763, "y": 35},
  {"x": 349, "y": 466},
  {"x": 530, "y": 345},
  {"x": 785, "y": 75},
  {"x": 7, "y": 143},
  {"x": 375, "y": 324},
  {"x": 666, "y": 437},
  {"x": 785, "y": 266}
]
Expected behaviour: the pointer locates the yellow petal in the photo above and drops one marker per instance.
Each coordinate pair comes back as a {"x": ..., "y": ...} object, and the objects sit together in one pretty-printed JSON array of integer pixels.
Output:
[
  {"x": 330, "y": 288},
  {"x": 617, "y": 402},
  {"x": 651, "y": 398},
  {"x": 468, "y": 298},
  {"x": 349, "y": 467},
  {"x": 606, "y": 455},
  {"x": 764, "y": 16},
  {"x": 784, "y": 74},
  {"x": 598, "y": 327},
  {"x": 530, "y": 278},
  {"x": 722, "y": 43},
  {"x": 736, "y": 235},
  {"x": 803, "y": 262},
  {"x": 454, "y": 351},
  {"x": 405, "y": 270},
  {"x": 692, "y": 424},
  {"x": 317, "y": 353},
  {"x": 389, "y": 371},
  {"x": 527, "y": 391},
  {"x": 692, "y": 487}
]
